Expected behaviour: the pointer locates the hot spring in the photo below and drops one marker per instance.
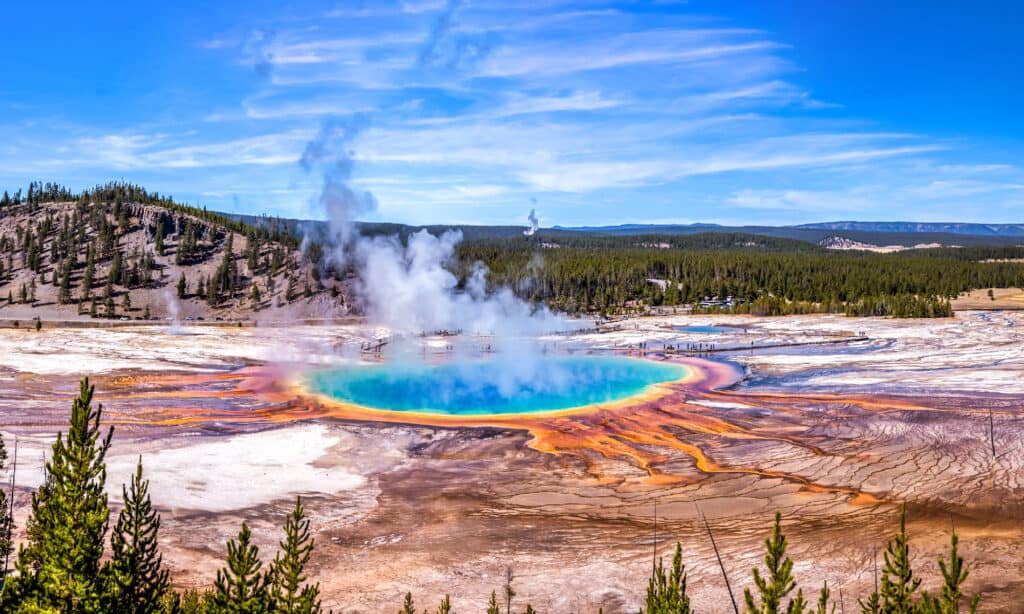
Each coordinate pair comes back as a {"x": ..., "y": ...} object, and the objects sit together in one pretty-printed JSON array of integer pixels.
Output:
[{"x": 494, "y": 387}]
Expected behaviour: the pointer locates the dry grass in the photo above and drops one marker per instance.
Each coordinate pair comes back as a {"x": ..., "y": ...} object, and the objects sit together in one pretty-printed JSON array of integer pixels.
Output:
[{"x": 1001, "y": 298}]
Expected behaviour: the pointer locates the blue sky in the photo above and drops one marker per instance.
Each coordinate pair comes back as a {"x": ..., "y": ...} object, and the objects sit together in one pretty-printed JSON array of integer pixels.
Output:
[{"x": 475, "y": 111}]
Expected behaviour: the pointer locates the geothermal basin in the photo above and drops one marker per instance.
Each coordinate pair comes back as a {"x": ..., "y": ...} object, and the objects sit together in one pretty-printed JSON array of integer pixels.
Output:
[{"x": 495, "y": 386}]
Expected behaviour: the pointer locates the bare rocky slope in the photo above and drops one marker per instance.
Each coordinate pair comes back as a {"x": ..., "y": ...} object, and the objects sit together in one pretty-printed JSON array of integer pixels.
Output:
[{"x": 117, "y": 252}]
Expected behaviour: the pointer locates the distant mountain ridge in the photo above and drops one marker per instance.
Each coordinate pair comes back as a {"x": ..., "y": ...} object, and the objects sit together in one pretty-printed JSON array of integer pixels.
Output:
[
  {"x": 958, "y": 228},
  {"x": 992, "y": 234}
]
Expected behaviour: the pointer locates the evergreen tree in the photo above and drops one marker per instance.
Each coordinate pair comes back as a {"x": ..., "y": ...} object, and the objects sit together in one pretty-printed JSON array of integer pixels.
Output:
[
  {"x": 212, "y": 296},
  {"x": 492, "y": 605},
  {"x": 64, "y": 296},
  {"x": 779, "y": 582},
  {"x": 90, "y": 272},
  {"x": 408, "y": 607},
  {"x": 6, "y": 522},
  {"x": 59, "y": 568},
  {"x": 240, "y": 588},
  {"x": 254, "y": 295},
  {"x": 135, "y": 579},
  {"x": 159, "y": 237},
  {"x": 445, "y": 606},
  {"x": 288, "y": 594},
  {"x": 126, "y": 303},
  {"x": 898, "y": 581},
  {"x": 954, "y": 573},
  {"x": 823, "y": 601},
  {"x": 666, "y": 593},
  {"x": 114, "y": 276},
  {"x": 182, "y": 286}
]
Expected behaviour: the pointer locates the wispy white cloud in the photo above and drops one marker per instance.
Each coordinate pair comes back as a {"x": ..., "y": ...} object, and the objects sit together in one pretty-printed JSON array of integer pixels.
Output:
[{"x": 592, "y": 104}]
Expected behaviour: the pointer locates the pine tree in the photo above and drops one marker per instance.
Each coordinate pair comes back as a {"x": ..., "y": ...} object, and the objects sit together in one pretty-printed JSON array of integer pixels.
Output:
[
  {"x": 6, "y": 522},
  {"x": 254, "y": 295},
  {"x": 126, "y": 303},
  {"x": 90, "y": 272},
  {"x": 64, "y": 295},
  {"x": 135, "y": 579},
  {"x": 159, "y": 238},
  {"x": 508, "y": 591},
  {"x": 954, "y": 574},
  {"x": 492, "y": 605},
  {"x": 898, "y": 581},
  {"x": 59, "y": 568},
  {"x": 779, "y": 581},
  {"x": 114, "y": 276},
  {"x": 529, "y": 610},
  {"x": 408, "y": 607},
  {"x": 212, "y": 296},
  {"x": 823, "y": 601},
  {"x": 445, "y": 606},
  {"x": 240, "y": 588},
  {"x": 287, "y": 592},
  {"x": 182, "y": 286},
  {"x": 666, "y": 593}
]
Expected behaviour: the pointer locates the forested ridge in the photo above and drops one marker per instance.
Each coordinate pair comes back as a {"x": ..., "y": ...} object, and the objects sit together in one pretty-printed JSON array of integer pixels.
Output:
[
  {"x": 100, "y": 248},
  {"x": 110, "y": 251},
  {"x": 65, "y": 567},
  {"x": 766, "y": 276}
]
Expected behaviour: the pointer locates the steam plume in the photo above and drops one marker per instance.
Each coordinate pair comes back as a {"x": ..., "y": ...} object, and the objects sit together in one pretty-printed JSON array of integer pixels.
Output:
[
  {"x": 534, "y": 224},
  {"x": 330, "y": 153},
  {"x": 408, "y": 288}
]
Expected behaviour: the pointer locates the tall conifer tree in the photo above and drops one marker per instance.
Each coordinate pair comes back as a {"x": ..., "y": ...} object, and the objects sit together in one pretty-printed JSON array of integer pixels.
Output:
[
  {"x": 898, "y": 581},
  {"x": 59, "y": 568},
  {"x": 666, "y": 592},
  {"x": 778, "y": 582},
  {"x": 240, "y": 587},
  {"x": 136, "y": 580},
  {"x": 288, "y": 594}
]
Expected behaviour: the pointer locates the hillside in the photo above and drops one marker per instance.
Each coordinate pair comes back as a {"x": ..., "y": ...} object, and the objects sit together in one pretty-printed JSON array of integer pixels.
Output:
[{"x": 119, "y": 252}]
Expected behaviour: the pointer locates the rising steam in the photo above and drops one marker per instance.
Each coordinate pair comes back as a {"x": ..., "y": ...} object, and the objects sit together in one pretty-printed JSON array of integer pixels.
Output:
[
  {"x": 534, "y": 224},
  {"x": 330, "y": 153},
  {"x": 408, "y": 288}
]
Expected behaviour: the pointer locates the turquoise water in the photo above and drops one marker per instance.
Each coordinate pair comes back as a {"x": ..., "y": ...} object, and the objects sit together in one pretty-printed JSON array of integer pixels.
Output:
[
  {"x": 704, "y": 330},
  {"x": 493, "y": 387}
]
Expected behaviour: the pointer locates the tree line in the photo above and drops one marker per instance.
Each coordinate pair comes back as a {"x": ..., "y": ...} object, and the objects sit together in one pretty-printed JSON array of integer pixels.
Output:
[
  {"x": 64, "y": 566},
  {"x": 617, "y": 275}
]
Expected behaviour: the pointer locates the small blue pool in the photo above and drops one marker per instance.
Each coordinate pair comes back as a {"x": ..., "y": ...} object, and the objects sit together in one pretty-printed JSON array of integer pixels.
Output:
[{"x": 705, "y": 330}]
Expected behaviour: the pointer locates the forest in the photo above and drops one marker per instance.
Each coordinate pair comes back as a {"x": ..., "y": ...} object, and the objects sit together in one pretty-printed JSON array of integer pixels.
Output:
[
  {"x": 576, "y": 272},
  {"x": 765, "y": 276},
  {"x": 65, "y": 567}
]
